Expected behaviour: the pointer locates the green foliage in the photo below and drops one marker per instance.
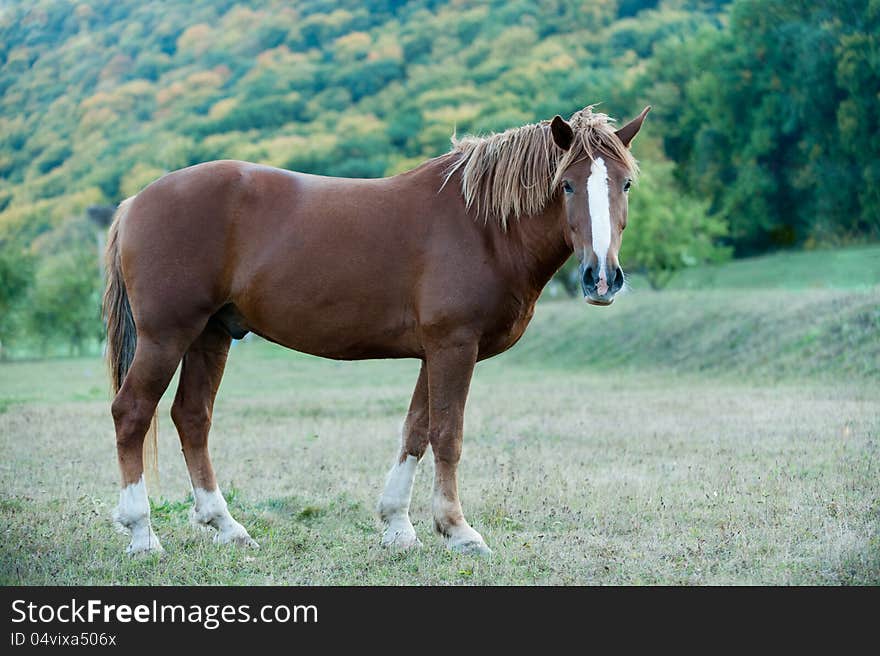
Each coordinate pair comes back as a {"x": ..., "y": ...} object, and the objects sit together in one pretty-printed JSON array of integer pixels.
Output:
[
  {"x": 50, "y": 294},
  {"x": 16, "y": 274},
  {"x": 767, "y": 109},
  {"x": 150, "y": 89},
  {"x": 65, "y": 301},
  {"x": 668, "y": 230},
  {"x": 774, "y": 119}
]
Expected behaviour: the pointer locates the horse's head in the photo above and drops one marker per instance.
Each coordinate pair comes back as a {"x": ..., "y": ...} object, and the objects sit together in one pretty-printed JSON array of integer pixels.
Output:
[{"x": 594, "y": 182}]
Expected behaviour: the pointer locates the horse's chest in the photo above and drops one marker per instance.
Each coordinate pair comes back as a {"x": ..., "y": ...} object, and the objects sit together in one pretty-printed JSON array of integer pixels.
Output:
[{"x": 506, "y": 330}]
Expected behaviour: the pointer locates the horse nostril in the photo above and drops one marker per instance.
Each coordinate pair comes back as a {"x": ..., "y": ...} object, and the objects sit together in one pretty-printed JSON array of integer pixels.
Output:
[
  {"x": 588, "y": 277},
  {"x": 618, "y": 279}
]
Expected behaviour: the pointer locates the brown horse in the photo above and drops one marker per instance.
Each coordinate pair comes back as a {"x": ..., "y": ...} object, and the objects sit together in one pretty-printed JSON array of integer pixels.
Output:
[{"x": 443, "y": 263}]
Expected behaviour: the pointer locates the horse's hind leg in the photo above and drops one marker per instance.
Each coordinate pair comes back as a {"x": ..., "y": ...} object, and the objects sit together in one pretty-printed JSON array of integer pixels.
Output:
[
  {"x": 200, "y": 376},
  {"x": 394, "y": 504},
  {"x": 133, "y": 409}
]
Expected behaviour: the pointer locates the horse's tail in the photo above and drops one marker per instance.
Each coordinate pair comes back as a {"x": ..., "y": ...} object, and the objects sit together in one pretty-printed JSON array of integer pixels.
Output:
[{"x": 122, "y": 335}]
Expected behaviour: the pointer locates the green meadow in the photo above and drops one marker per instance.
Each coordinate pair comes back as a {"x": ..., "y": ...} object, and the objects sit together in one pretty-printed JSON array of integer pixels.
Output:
[{"x": 724, "y": 431}]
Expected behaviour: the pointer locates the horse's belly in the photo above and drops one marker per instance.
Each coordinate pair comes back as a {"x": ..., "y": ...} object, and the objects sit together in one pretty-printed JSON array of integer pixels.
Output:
[
  {"x": 351, "y": 331},
  {"x": 350, "y": 344},
  {"x": 341, "y": 300}
]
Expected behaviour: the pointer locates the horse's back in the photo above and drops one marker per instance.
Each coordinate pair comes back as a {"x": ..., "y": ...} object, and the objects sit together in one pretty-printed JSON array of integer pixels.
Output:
[
  {"x": 305, "y": 260},
  {"x": 338, "y": 267}
]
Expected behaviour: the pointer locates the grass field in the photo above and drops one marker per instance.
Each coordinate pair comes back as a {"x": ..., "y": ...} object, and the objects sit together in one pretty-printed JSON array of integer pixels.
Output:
[
  {"x": 694, "y": 436},
  {"x": 844, "y": 268}
]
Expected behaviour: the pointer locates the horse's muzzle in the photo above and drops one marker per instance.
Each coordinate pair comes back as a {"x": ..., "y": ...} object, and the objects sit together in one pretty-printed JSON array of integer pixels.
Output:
[{"x": 597, "y": 290}]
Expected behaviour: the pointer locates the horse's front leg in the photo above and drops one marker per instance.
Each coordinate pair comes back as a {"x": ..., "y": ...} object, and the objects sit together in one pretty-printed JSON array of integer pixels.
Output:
[
  {"x": 450, "y": 367},
  {"x": 394, "y": 503}
]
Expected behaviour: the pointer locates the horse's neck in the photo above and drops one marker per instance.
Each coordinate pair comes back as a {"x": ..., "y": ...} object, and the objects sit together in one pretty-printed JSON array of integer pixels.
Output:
[
  {"x": 533, "y": 247},
  {"x": 537, "y": 245}
]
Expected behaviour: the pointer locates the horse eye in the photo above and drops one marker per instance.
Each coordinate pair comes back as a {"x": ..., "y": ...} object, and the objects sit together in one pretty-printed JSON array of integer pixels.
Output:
[
  {"x": 566, "y": 187},
  {"x": 627, "y": 185}
]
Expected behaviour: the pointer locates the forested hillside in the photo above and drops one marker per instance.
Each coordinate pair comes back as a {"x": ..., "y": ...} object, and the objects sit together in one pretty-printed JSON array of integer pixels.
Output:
[
  {"x": 764, "y": 134},
  {"x": 100, "y": 98}
]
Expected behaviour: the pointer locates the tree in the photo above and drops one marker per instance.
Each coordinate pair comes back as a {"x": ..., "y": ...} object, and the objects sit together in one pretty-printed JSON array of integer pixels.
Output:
[
  {"x": 16, "y": 277},
  {"x": 668, "y": 230},
  {"x": 773, "y": 119},
  {"x": 65, "y": 301}
]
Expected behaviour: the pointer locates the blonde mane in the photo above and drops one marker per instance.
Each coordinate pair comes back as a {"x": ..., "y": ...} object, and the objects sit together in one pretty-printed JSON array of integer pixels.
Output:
[{"x": 515, "y": 173}]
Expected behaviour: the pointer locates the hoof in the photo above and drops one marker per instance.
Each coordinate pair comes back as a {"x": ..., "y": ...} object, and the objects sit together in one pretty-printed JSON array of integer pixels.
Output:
[
  {"x": 400, "y": 535},
  {"x": 144, "y": 540},
  {"x": 400, "y": 541},
  {"x": 228, "y": 531},
  {"x": 471, "y": 548},
  {"x": 464, "y": 540},
  {"x": 238, "y": 537},
  {"x": 238, "y": 541},
  {"x": 145, "y": 546},
  {"x": 198, "y": 524}
]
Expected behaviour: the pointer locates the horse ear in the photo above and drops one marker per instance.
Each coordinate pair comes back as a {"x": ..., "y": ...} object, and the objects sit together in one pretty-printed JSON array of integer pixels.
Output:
[
  {"x": 628, "y": 132},
  {"x": 563, "y": 135}
]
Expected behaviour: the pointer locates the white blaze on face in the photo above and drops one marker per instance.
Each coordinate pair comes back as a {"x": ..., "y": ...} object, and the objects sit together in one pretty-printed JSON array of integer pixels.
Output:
[{"x": 600, "y": 216}]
